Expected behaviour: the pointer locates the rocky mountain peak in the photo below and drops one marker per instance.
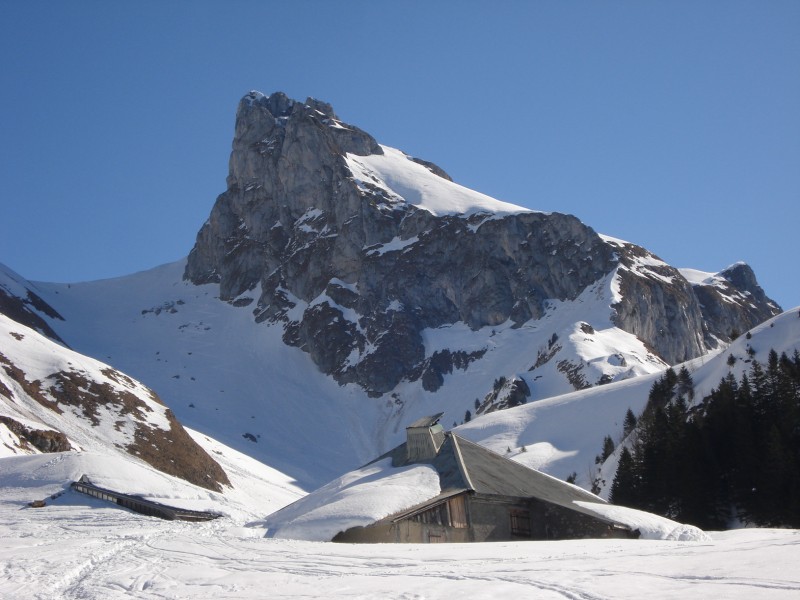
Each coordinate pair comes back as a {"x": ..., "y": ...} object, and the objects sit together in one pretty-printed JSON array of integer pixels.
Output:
[
  {"x": 356, "y": 250},
  {"x": 278, "y": 103},
  {"x": 741, "y": 276},
  {"x": 731, "y": 302}
]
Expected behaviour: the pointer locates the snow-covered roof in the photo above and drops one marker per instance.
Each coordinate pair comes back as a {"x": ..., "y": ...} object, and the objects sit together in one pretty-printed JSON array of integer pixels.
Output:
[
  {"x": 393, "y": 485},
  {"x": 466, "y": 466}
]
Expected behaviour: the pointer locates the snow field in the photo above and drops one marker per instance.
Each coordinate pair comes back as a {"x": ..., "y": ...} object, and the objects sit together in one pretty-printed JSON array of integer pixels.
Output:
[{"x": 82, "y": 549}]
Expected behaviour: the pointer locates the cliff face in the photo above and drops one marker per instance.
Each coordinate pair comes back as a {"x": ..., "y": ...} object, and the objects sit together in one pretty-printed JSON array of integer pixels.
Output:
[
  {"x": 357, "y": 249},
  {"x": 657, "y": 305},
  {"x": 731, "y": 302},
  {"x": 22, "y": 304}
]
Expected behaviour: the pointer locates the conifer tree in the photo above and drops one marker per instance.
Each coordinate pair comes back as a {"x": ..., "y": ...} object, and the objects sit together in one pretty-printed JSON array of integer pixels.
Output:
[
  {"x": 685, "y": 383},
  {"x": 735, "y": 454},
  {"x": 625, "y": 489},
  {"x": 629, "y": 424}
]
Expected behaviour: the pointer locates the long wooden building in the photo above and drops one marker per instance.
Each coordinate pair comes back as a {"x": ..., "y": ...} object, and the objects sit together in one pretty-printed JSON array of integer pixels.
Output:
[{"x": 140, "y": 505}]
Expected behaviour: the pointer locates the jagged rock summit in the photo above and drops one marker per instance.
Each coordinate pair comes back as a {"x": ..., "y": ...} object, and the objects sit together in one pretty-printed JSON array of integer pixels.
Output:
[{"x": 357, "y": 250}]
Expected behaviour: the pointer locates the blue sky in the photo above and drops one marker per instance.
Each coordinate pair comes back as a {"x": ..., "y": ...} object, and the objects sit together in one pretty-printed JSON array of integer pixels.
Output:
[{"x": 675, "y": 125}]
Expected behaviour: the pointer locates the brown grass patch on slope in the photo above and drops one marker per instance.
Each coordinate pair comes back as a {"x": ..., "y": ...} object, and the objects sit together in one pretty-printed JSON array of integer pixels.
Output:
[
  {"x": 174, "y": 452},
  {"x": 171, "y": 451},
  {"x": 32, "y": 388}
]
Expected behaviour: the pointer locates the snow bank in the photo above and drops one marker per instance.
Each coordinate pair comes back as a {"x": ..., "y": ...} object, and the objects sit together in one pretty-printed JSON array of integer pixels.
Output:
[
  {"x": 50, "y": 473},
  {"x": 356, "y": 499},
  {"x": 651, "y": 527},
  {"x": 256, "y": 486}
]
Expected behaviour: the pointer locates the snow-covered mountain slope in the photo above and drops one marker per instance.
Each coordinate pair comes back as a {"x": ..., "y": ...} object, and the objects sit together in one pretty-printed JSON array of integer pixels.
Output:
[
  {"x": 54, "y": 399},
  {"x": 211, "y": 363},
  {"x": 341, "y": 289},
  {"x": 255, "y": 488},
  {"x": 19, "y": 302},
  {"x": 562, "y": 435},
  {"x": 219, "y": 372},
  {"x": 237, "y": 381}
]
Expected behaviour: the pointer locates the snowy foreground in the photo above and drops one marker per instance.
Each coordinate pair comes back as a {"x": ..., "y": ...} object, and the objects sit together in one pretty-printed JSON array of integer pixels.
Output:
[
  {"x": 82, "y": 548},
  {"x": 70, "y": 553}
]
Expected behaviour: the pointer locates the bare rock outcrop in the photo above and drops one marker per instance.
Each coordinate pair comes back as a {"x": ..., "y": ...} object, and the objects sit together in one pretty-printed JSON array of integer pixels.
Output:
[{"x": 355, "y": 276}]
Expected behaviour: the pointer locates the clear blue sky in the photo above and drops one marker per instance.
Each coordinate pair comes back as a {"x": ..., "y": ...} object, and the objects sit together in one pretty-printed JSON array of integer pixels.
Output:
[{"x": 675, "y": 125}]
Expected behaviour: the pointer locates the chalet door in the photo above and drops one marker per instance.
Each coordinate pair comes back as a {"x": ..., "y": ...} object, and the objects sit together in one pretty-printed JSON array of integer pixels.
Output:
[
  {"x": 520, "y": 522},
  {"x": 458, "y": 512}
]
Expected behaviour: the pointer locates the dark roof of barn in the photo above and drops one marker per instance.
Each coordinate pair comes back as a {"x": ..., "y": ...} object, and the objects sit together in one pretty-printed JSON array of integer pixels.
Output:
[{"x": 466, "y": 466}]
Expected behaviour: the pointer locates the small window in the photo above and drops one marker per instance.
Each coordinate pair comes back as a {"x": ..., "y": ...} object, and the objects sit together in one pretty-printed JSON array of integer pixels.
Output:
[
  {"x": 433, "y": 516},
  {"x": 520, "y": 522}
]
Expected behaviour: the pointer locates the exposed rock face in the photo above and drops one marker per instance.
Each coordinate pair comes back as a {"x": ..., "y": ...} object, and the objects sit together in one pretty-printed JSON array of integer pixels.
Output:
[
  {"x": 356, "y": 276},
  {"x": 23, "y": 305},
  {"x": 733, "y": 303},
  {"x": 294, "y": 221},
  {"x": 658, "y": 306},
  {"x": 680, "y": 320},
  {"x": 44, "y": 440},
  {"x": 506, "y": 393}
]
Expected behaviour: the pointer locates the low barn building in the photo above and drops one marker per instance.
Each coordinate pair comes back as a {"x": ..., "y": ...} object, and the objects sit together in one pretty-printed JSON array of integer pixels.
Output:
[
  {"x": 484, "y": 497},
  {"x": 140, "y": 505}
]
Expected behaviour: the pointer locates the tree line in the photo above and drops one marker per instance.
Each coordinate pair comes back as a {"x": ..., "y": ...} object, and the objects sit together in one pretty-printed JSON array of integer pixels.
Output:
[{"x": 732, "y": 458}]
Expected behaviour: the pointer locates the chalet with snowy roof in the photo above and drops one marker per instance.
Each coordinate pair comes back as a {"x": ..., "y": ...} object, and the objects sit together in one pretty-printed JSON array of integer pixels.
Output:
[
  {"x": 440, "y": 487},
  {"x": 484, "y": 497}
]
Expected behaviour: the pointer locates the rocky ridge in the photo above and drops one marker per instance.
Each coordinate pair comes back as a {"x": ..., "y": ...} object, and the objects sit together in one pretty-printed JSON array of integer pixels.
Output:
[
  {"x": 322, "y": 232},
  {"x": 22, "y": 304}
]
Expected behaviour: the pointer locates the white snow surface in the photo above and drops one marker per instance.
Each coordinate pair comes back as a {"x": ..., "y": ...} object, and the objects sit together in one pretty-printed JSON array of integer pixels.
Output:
[
  {"x": 411, "y": 182},
  {"x": 355, "y": 499},
  {"x": 219, "y": 371},
  {"x": 81, "y": 547},
  {"x": 696, "y": 277},
  {"x": 256, "y": 488}
]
